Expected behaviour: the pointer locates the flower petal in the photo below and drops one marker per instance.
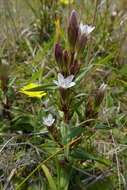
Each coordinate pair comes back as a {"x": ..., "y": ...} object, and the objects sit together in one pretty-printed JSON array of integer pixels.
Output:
[
  {"x": 49, "y": 120},
  {"x": 50, "y": 117},
  {"x": 69, "y": 79},
  {"x": 86, "y": 29},
  {"x": 71, "y": 84},
  {"x": 60, "y": 78},
  {"x": 56, "y": 82}
]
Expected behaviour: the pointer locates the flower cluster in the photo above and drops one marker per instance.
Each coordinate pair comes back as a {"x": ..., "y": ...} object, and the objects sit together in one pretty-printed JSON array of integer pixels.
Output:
[{"x": 69, "y": 60}]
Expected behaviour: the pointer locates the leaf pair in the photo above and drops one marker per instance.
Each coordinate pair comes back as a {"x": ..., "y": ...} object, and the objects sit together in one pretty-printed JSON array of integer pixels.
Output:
[{"x": 29, "y": 91}]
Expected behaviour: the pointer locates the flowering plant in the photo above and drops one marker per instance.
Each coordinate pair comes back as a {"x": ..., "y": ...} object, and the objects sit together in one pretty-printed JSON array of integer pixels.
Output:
[{"x": 69, "y": 62}]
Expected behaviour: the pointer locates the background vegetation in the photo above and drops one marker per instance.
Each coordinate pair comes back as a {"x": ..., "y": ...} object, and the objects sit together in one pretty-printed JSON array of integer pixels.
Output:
[{"x": 92, "y": 155}]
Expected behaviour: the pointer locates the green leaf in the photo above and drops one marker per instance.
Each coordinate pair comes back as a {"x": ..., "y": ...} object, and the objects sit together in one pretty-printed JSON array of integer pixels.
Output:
[
  {"x": 65, "y": 178},
  {"x": 105, "y": 184},
  {"x": 63, "y": 175},
  {"x": 83, "y": 72},
  {"x": 49, "y": 177},
  {"x": 44, "y": 87},
  {"x": 105, "y": 60},
  {"x": 74, "y": 132},
  {"x": 123, "y": 70},
  {"x": 102, "y": 126},
  {"x": 80, "y": 154},
  {"x": 22, "y": 123}
]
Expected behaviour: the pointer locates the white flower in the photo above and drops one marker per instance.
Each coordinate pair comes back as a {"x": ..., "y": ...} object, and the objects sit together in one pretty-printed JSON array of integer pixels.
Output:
[
  {"x": 103, "y": 87},
  {"x": 64, "y": 82},
  {"x": 86, "y": 29},
  {"x": 48, "y": 121},
  {"x": 114, "y": 13}
]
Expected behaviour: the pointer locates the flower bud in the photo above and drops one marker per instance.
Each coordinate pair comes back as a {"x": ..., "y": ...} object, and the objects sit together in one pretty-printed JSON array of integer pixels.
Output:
[
  {"x": 90, "y": 113},
  {"x": 58, "y": 53},
  {"x": 81, "y": 43},
  {"x": 100, "y": 94},
  {"x": 73, "y": 29},
  {"x": 65, "y": 57},
  {"x": 113, "y": 15},
  {"x": 4, "y": 75}
]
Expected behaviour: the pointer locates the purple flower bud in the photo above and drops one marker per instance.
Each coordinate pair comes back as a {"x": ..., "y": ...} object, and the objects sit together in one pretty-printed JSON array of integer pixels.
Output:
[
  {"x": 58, "y": 53},
  {"x": 73, "y": 19},
  {"x": 81, "y": 43},
  {"x": 73, "y": 29},
  {"x": 66, "y": 57}
]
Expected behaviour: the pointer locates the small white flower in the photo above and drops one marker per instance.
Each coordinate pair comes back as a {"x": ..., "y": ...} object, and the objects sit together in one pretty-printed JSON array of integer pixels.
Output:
[
  {"x": 114, "y": 13},
  {"x": 103, "y": 87},
  {"x": 64, "y": 82},
  {"x": 86, "y": 29},
  {"x": 48, "y": 121}
]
